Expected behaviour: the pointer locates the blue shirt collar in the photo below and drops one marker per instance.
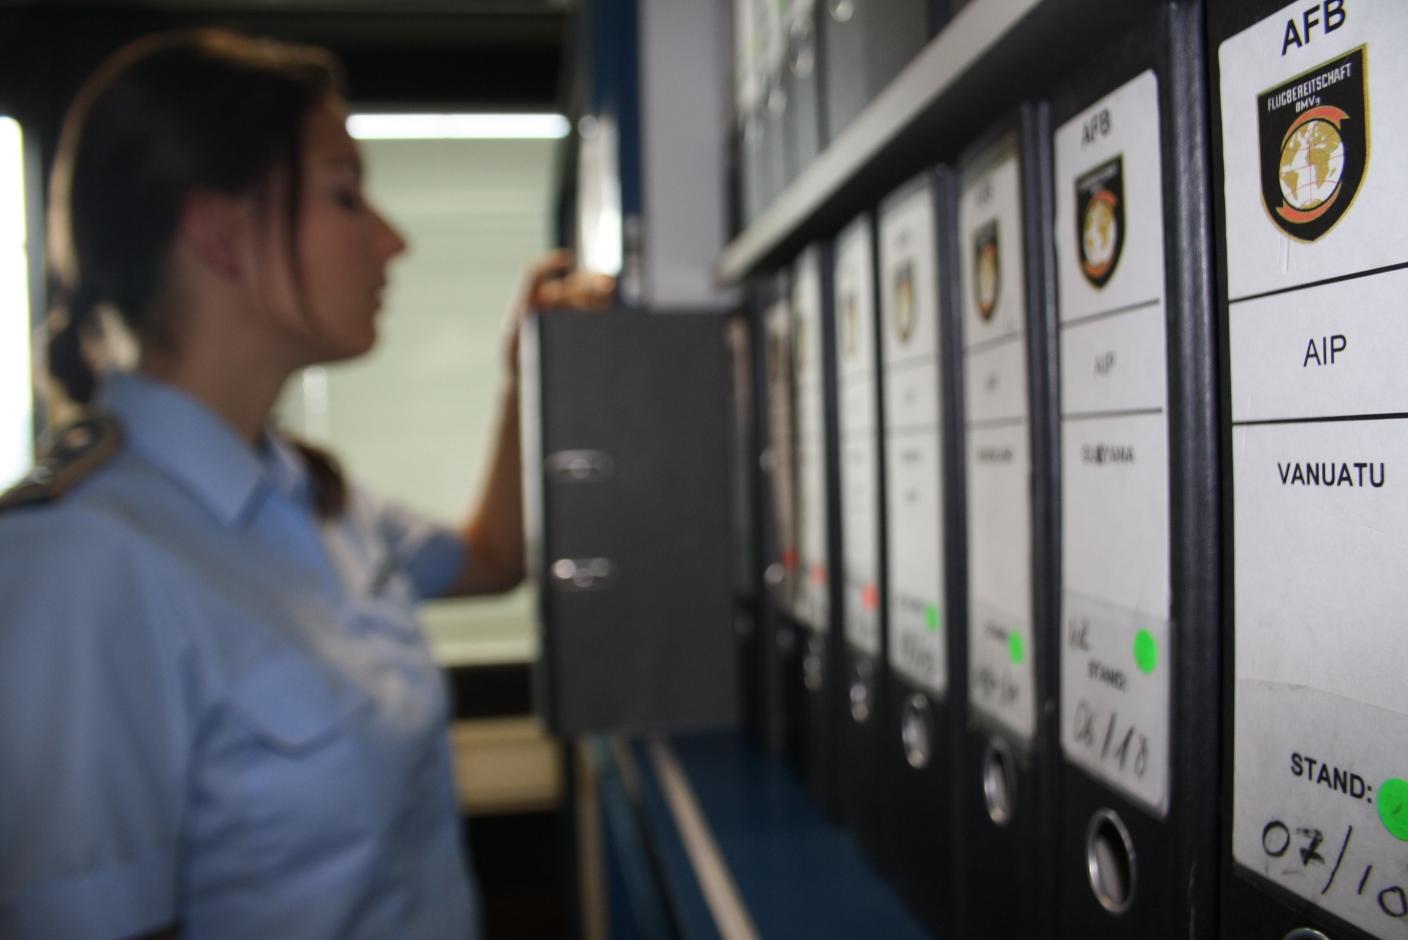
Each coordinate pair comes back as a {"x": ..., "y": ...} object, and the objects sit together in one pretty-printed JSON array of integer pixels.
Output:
[
  {"x": 285, "y": 468},
  {"x": 194, "y": 447}
]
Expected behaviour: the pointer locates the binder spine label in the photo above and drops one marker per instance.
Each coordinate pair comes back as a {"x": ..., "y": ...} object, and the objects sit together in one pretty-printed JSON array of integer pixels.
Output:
[
  {"x": 749, "y": 37},
  {"x": 781, "y": 433},
  {"x": 1118, "y": 651},
  {"x": 1312, "y": 132},
  {"x": 913, "y": 471},
  {"x": 1314, "y": 121},
  {"x": 998, "y": 450},
  {"x": 1321, "y": 351},
  {"x": 813, "y": 574},
  {"x": 858, "y": 391},
  {"x": 1321, "y": 746}
]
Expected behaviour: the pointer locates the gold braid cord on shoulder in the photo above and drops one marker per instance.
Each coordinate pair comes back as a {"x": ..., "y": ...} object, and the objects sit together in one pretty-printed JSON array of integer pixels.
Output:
[{"x": 67, "y": 458}]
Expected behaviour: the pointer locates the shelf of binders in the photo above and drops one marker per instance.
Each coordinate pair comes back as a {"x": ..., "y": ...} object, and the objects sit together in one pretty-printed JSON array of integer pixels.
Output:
[{"x": 988, "y": 57}]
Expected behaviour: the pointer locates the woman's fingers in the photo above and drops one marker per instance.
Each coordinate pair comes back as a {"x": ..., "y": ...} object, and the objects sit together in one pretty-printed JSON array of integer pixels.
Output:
[
  {"x": 579, "y": 289},
  {"x": 552, "y": 265},
  {"x": 552, "y": 284}
]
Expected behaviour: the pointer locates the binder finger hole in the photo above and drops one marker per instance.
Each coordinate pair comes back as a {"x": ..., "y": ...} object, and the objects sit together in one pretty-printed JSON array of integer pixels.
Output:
[
  {"x": 814, "y": 664},
  {"x": 917, "y": 731},
  {"x": 1109, "y": 854},
  {"x": 786, "y": 640},
  {"x": 861, "y": 695},
  {"x": 1305, "y": 933},
  {"x": 999, "y": 782}
]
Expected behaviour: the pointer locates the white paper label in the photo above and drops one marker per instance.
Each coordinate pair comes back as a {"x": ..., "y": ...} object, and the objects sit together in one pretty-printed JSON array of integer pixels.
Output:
[
  {"x": 747, "y": 76},
  {"x": 909, "y": 315},
  {"x": 1117, "y": 652},
  {"x": 1109, "y": 204},
  {"x": 1313, "y": 193},
  {"x": 812, "y": 601},
  {"x": 1116, "y": 656},
  {"x": 1320, "y": 664},
  {"x": 995, "y": 380},
  {"x": 1001, "y": 682},
  {"x": 1312, "y": 105},
  {"x": 1115, "y": 362},
  {"x": 1322, "y": 351},
  {"x": 998, "y": 456},
  {"x": 857, "y": 390}
]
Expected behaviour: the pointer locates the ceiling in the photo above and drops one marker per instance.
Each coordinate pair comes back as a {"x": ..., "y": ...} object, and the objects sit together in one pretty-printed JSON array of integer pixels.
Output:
[
  {"x": 463, "y": 54},
  {"x": 459, "y": 7}
]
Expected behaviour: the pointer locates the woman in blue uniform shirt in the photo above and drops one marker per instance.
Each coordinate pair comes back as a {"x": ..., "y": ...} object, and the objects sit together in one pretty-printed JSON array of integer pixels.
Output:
[{"x": 217, "y": 715}]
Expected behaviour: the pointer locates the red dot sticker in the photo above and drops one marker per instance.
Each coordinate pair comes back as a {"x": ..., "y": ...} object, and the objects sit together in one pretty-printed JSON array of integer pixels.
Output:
[{"x": 869, "y": 597}]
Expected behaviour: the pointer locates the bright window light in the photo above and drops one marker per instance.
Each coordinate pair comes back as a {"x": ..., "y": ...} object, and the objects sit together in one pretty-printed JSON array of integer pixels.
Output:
[
  {"x": 457, "y": 126},
  {"x": 600, "y": 243},
  {"x": 16, "y": 395}
]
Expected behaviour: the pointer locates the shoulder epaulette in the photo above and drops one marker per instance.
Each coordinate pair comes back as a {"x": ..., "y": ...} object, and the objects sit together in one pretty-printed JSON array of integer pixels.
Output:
[{"x": 66, "y": 458}]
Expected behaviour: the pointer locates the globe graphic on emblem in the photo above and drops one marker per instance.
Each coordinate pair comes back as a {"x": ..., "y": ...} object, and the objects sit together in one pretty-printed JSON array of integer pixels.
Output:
[
  {"x": 904, "y": 305},
  {"x": 1312, "y": 163},
  {"x": 1099, "y": 234},
  {"x": 987, "y": 281}
]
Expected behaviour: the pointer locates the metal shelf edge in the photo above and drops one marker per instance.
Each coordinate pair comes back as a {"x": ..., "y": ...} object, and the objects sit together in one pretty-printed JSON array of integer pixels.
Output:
[{"x": 962, "y": 42}]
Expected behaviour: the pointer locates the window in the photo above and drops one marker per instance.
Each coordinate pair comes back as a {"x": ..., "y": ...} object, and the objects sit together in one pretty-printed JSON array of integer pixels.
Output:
[
  {"x": 16, "y": 390},
  {"x": 411, "y": 420}
]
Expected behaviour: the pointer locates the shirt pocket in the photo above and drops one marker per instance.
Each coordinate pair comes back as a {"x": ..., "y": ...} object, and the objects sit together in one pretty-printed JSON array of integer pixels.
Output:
[{"x": 305, "y": 779}]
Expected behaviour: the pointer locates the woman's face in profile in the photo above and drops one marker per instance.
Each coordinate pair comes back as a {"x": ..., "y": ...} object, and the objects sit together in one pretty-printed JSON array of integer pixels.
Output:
[{"x": 343, "y": 246}]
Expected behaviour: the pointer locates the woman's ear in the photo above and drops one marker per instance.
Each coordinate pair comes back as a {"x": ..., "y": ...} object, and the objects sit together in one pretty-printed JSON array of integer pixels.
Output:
[{"x": 213, "y": 229}]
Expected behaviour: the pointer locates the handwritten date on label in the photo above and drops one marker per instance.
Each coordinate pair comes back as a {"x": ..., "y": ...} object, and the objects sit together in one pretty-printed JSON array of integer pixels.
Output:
[
  {"x": 1114, "y": 743},
  {"x": 1078, "y": 634},
  {"x": 1299, "y": 849},
  {"x": 992, "y": 687},
  {"x": 918, "y": 656}
]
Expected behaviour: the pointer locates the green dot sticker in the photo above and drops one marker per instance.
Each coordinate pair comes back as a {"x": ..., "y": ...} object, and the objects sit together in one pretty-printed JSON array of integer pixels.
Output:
[
  {"x": 931, "y": 617},
  {"x": 1146, "y": 652},
  {"x": 1016, "y": 647},
  {"x": 1392, "y": 800}
]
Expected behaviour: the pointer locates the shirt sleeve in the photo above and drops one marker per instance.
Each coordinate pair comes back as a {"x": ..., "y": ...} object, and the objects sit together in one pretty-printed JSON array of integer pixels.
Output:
[
  {"x": 93, "y": 737},
  {"x": 431, "y": 554}
]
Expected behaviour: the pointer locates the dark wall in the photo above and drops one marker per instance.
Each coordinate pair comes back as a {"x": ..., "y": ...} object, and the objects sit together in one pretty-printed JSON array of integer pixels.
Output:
[{"x": 401, "y": 57}]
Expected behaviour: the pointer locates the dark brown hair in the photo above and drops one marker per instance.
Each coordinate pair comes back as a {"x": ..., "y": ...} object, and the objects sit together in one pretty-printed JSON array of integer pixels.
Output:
[{"x": 167, "y": 115}]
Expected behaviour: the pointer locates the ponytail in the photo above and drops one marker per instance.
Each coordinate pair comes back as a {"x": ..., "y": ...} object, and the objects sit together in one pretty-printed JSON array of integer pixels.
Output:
[
  {"x": 329, "y": 485},
  {"x": 68, "y": 329}
]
